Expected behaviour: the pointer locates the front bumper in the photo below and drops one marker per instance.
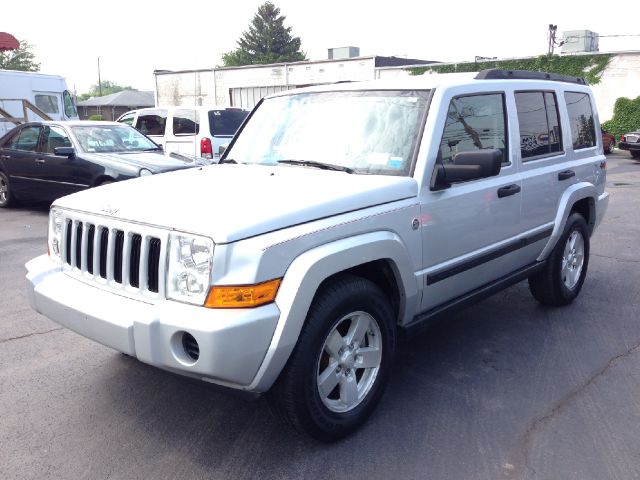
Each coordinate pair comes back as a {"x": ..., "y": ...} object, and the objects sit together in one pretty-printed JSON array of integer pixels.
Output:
[{"x": 232, "y": 343}]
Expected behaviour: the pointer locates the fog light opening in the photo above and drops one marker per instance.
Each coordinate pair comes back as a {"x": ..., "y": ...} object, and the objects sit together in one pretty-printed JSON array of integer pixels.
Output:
[{"x": 190, "y": 346}]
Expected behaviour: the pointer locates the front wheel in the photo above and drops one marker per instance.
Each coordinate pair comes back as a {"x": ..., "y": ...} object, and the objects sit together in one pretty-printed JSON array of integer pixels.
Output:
[
  {"x": 341, "y": 363},
  {"x": 560, "y": 282}
]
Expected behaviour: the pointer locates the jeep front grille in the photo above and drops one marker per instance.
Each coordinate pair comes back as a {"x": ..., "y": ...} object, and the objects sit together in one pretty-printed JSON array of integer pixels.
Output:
[{"x": 115, "y": 254}]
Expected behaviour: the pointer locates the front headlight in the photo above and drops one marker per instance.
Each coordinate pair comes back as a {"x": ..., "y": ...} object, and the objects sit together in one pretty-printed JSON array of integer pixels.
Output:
[
  {"x": 56, "y": 230},
  {"x": 189, "y": 268}
]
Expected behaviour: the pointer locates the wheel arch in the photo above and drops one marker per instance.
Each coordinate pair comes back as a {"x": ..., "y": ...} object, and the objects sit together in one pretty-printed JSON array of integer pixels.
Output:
[
  {"x": 580, "y": 197},
  {"x": 379, "y": 256}
]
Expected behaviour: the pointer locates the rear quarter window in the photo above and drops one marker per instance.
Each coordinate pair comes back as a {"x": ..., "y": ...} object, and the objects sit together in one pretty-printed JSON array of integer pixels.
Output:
[
  {"x": 226, "y": 122},
  {"x": 583, "y": 131}
]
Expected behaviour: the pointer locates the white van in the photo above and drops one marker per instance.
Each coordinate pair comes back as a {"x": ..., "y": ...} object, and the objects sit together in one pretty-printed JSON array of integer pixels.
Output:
[
  {"x": 48, "y": 93},
  {"x": 197, "y": 131}
]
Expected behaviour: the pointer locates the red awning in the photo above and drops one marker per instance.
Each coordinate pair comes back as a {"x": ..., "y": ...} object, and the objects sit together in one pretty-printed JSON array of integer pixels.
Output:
[{"x": 8, "y": 42}]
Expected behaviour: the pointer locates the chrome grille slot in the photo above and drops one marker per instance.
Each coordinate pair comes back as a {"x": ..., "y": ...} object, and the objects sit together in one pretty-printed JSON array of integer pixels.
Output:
[
  {"x": 115, "y": 255},
  {"x": 118, "y": 257},
  {"x": 153, "y": 264},
  {"x": 104, "y": 245},
  {"x": 134, "y": 265}
]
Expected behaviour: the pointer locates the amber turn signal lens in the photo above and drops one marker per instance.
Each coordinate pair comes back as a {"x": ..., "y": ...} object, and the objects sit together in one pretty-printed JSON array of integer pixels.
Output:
[{"x": 242, "y": 296}]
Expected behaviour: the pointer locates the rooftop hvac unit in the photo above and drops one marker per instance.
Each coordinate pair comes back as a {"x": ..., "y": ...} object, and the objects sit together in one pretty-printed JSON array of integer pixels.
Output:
[
  {"x": 579, "y": 41},
  {"x": 343, "y": 52}
]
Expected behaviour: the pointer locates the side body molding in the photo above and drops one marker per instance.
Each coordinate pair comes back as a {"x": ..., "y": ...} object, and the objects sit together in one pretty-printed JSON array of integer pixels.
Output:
[
  {"x": 573, "y": 194},
  {"x": 309, "y": 270}
]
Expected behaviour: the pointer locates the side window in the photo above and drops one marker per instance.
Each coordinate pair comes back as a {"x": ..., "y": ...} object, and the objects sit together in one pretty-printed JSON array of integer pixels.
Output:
[
  {"x": 47, "y": 103},
  {"x": 127, "y": 119},
  {"x": 540, "y": 133},
  {"x": 583, "y": 132},
  {"x": 152, "y": 122},
  {"x": 186, "y": 122},
  {"x": 54, "y": 137},
  {"x": 26, "y": 139},
  {"x": 69, "y": 106},
  {"x": 474, "y": 122}
]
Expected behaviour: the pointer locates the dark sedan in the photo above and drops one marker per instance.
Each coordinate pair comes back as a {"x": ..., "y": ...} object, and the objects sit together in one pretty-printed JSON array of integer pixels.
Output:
[
  {"x": 631, "y": 142},
  {"x": 47, "y": 160}
]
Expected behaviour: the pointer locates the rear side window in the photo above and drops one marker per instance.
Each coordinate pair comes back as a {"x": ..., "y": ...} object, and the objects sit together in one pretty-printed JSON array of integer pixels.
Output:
[
  {"x": 26, "y": 139},
  {"x": 583, "y": 132},
  {"x": 540, "y": 133},
  {"x": 152, "y": 122},
  {"x": 47, "y": 103},
  {"x": 186, "y": 122},
  {"x": 226, "y": 122},
  {"x": 474, "y": 122}
]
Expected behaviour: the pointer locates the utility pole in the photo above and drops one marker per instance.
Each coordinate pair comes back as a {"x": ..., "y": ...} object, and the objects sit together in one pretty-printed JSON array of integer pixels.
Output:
[
  {"x": 99, "y": 82},
  {"x": 552, "y": 38}
]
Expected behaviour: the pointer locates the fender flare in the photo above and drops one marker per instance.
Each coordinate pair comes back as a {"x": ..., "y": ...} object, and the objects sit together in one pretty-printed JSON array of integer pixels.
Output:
[
  {"x": 306, "y": 273},
  {"x": 571, "y": 195}
]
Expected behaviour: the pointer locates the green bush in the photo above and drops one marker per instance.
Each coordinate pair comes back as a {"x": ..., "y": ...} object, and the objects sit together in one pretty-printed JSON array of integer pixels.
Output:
[
  {"x": 590, "y": 67},
  {"x": 96, "y": 117},
  {"x": 626, "y": 117}
]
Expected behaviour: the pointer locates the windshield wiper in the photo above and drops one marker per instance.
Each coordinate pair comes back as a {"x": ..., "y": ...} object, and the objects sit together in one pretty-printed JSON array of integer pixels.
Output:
[
  {"x": 154, "y": 149},
  {"x": 313, "y": 163},
  {"x": 227, "y": 160}
]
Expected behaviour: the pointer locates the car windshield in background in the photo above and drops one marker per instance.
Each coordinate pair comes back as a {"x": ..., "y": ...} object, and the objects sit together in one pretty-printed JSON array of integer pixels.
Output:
[
  {"x": 111, "y": 138},
  {"x": 370, "y": 132},
  {"x": 225, "y": 122}
]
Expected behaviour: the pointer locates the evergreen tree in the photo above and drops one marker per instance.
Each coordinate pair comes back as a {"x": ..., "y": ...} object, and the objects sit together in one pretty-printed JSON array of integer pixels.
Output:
[
  {"x": 266, "y": 41},
  {"x": 20, "y": 59}
]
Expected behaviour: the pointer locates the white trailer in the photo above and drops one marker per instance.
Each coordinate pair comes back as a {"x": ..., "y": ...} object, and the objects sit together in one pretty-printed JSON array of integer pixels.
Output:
[{"x": 31, "y": 96}]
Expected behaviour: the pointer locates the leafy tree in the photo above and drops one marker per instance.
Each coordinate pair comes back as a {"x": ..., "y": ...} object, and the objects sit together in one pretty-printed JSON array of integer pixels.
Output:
[
  {"x": 266, "y": 41},
  {"x": 107, "y": 89},
  {"x": 21, "y": 59}
]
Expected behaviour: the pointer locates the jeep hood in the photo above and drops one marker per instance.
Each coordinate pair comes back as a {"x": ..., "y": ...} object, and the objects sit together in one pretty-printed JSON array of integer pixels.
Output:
[{"x": 232, "y": 202}]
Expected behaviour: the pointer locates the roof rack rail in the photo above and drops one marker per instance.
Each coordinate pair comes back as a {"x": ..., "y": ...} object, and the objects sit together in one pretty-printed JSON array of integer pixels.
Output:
[{"x": 497, "y": 74}]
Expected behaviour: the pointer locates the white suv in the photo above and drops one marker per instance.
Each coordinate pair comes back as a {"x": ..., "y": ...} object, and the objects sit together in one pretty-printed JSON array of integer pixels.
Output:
[
  {"x": 338, "y": 216},
  {"x": 197, "y": 131}
]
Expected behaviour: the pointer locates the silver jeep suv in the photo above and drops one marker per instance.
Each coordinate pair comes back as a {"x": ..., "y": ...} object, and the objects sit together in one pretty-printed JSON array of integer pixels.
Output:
[{"x": 338, "y": 216}]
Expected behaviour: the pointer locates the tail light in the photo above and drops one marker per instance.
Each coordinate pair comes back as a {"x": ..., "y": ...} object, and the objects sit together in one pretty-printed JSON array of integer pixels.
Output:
[
  {"x": 206, "y": 149},
  {"x": 622, "y": 138}
]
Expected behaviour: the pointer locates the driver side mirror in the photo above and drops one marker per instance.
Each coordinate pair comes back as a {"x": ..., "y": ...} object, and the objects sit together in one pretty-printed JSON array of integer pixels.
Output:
[
  {"x": 64, "y": 152},
  {"x": 466, "y": 166}
]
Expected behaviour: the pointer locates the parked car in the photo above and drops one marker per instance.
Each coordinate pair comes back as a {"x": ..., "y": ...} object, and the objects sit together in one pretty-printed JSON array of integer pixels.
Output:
[
  {"x": 47, "y": 160},
  {"x": 608, "y": 141},
  {"x": 631, "y": 142},
  {"x": 338, "y": 215},
  {"x": 196, "y": 131}
]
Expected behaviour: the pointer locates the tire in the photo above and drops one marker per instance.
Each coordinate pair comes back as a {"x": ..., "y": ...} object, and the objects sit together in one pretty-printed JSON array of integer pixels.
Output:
[
  {"x": 6, "y": 195},
  {"x": 561, "y": 280},
  {"x": 322, "y": 391},
  {"x": 609, "y": 148},
  {"x": 635, "y": 154}
]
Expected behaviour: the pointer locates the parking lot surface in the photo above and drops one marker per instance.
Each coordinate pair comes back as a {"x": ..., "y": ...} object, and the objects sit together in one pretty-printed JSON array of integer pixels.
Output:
[{"x": 504, "y": 389}]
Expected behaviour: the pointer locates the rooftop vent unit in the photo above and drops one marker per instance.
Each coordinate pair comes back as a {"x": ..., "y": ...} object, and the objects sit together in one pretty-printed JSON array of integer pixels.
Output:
[
  {"x": 343, "y": 52},
  {"x": 576, "y": 41}
]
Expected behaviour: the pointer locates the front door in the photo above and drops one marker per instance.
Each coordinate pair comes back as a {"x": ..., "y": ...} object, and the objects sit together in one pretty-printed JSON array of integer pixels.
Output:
[{"x": 469, "y": 230}]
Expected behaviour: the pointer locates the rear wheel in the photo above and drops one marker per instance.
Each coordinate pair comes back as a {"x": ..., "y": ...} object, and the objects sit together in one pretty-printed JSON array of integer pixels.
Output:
[
  {"x": 608, "y": 148},
  {"x": 560, "y": 282},
  {"x": 341, "y": 363},
  {"x": 6, "y": 195},
  {"x": 635, "y": 154}
]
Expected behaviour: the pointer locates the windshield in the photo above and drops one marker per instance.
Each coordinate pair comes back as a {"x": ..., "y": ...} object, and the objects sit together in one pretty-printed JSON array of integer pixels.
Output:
[
  {"x": 371, "y": 132},
  {"x": 111, "y": 138}
]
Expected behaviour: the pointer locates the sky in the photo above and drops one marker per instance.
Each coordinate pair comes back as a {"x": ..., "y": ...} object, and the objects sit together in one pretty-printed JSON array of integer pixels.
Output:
[{"x": 135, "y": 37}]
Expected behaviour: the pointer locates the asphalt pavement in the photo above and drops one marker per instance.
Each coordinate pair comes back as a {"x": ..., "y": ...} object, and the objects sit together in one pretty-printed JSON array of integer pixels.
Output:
[{"x": 506, "y": 389}]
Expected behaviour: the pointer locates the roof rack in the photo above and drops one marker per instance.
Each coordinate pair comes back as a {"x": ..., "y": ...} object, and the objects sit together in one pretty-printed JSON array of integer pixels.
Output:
[{"x": 497, "y": 74}]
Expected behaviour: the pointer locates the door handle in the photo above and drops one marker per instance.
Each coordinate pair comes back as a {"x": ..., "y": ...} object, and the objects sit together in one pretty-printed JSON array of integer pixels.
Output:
[
  {"x": 508, "y": 190},
  {"x": 566, "y": 174},
  {"x": 40, "y": 161}
]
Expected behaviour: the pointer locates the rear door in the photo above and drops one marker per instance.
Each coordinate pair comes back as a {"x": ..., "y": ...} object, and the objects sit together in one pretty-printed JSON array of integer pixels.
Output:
[
  {"x": 18, "y": 155},
  {"x": 223, "y": 125},
  {"x": 182, "y": 131}
]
